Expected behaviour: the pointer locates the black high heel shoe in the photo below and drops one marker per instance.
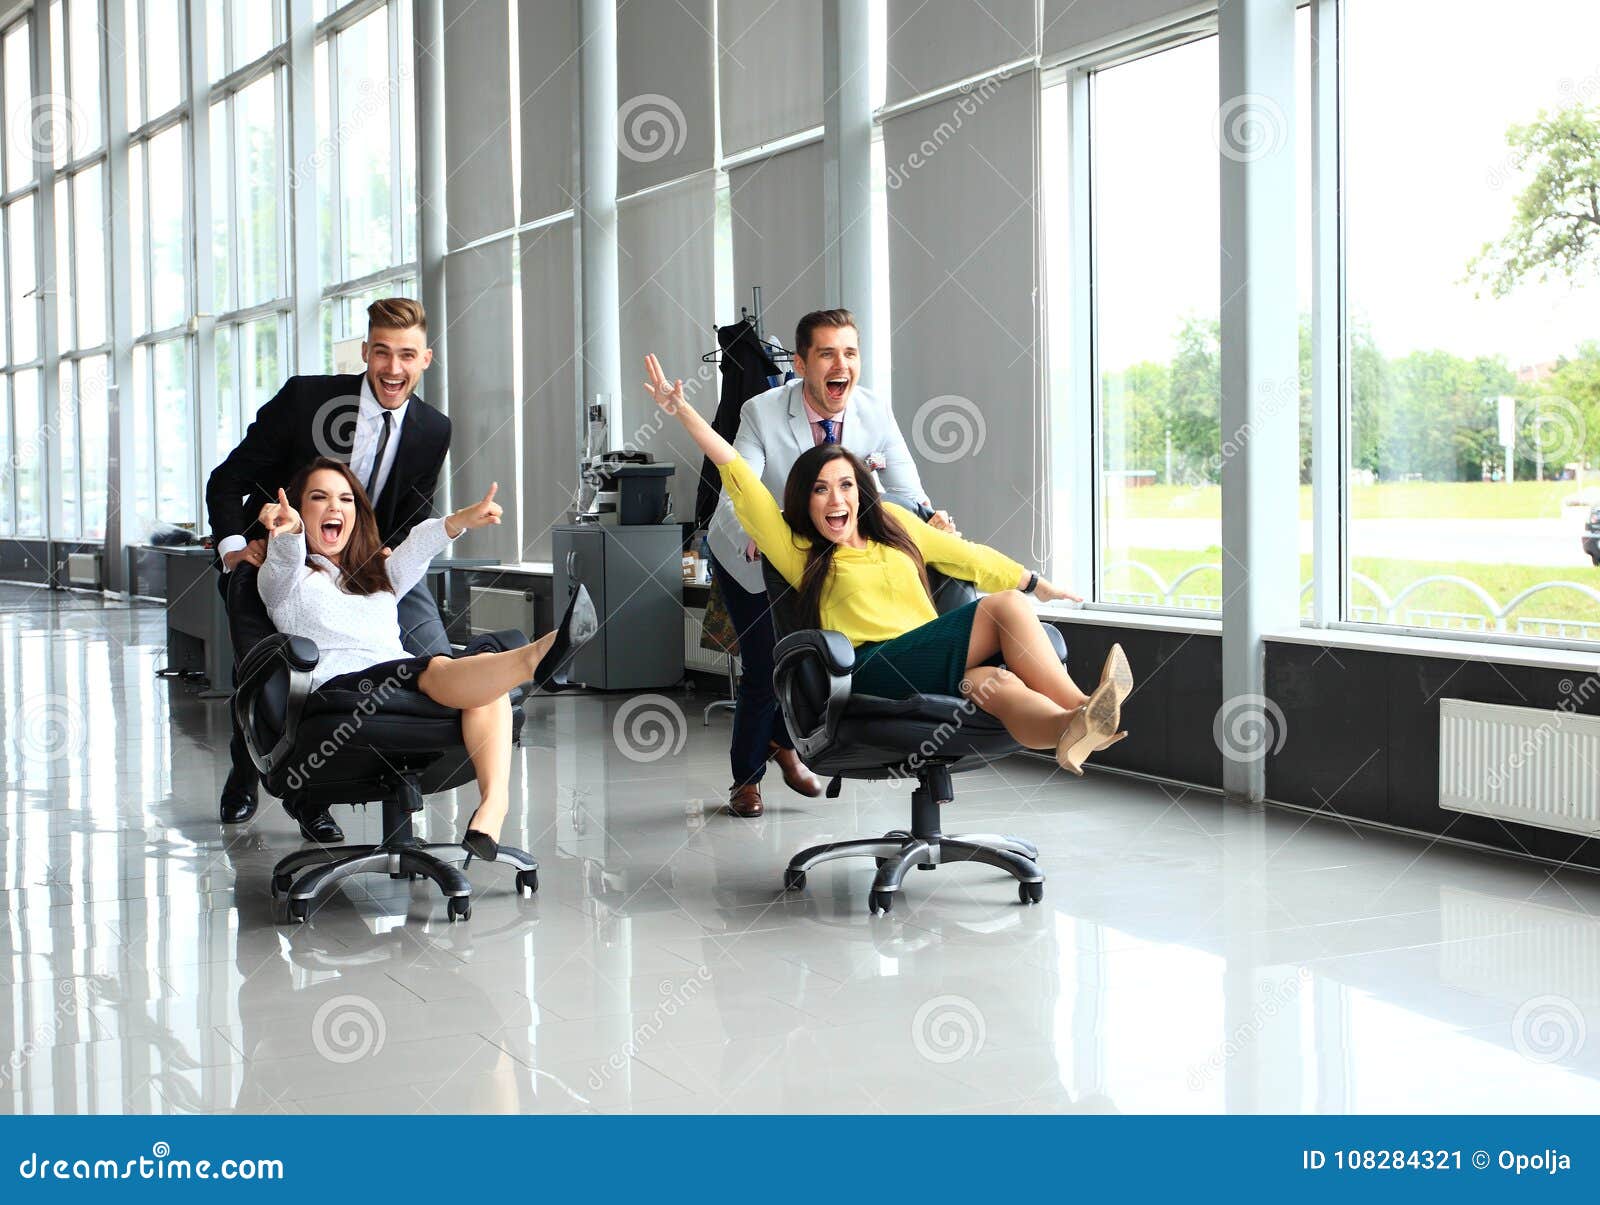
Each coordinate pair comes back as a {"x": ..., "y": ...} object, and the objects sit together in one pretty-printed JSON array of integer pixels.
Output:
[
  {"x": 477, "y": 844},
  {"x": 578, "y": 626}
]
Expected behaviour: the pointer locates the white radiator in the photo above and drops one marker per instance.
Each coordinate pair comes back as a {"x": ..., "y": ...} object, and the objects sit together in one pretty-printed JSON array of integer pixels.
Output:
[
  {"x": 492, "y": 609},
  {"x": 1520, "y": 763},
  {"x": 708, "y": 661}
]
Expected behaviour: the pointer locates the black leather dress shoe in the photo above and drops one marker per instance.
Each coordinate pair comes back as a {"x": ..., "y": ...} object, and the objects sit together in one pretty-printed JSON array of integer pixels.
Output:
[
  {"x": 238, "y": 799},
  {"x": 317, "y": 825}
]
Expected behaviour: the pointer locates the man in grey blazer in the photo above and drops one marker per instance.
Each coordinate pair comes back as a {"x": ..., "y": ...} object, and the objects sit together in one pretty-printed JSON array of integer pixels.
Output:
[{"x": 823, "y": 404}]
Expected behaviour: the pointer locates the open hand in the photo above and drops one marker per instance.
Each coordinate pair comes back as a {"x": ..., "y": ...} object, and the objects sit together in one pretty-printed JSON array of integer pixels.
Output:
[
  {"x": 279, "y": 518},
  {"x": 479, "y": 514},
  {"x": 1047, "y": 591},
  {"x": 667, "y": 395}
]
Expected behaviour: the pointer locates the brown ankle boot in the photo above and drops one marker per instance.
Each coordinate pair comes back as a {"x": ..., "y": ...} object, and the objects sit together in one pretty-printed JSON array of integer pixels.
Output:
[
  {"x": 800, "y": 780},
  {"x": 745, "y": 801}
]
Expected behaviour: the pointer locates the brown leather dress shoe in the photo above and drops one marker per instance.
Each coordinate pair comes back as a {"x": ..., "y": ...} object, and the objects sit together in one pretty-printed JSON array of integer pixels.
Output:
[
  {"x": 799, "y": 779},
  {"x": 746, "y": 801}
]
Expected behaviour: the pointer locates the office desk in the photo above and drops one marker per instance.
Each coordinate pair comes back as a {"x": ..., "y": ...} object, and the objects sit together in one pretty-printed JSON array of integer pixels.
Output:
[{"x": 197, "y": 623}]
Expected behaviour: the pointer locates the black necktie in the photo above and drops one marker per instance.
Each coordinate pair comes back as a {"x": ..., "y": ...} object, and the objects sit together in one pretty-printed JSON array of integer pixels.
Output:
[{"x": 377, "y": 459}]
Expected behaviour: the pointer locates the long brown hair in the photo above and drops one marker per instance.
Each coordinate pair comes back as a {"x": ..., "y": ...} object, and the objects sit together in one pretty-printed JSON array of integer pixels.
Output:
[
  {"x": 361, "y": 566},
  {"x": 873, "y": 521}
]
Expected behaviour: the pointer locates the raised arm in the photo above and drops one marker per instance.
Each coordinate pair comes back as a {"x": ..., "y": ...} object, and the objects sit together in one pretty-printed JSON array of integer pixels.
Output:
[
  {"x": 284, "y": 567},
  {"x": 409, "y": 562},
  {"x": 985, "y": 567},
  {"x": 752, "y": 502}
]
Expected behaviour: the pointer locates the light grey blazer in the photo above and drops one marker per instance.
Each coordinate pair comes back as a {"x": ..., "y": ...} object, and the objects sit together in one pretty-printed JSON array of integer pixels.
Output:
[{"x": 774, "y": 431}]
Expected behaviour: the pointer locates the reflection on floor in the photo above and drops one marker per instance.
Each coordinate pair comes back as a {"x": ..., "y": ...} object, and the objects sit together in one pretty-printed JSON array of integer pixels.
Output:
[{"x": 1188, "y": 957}]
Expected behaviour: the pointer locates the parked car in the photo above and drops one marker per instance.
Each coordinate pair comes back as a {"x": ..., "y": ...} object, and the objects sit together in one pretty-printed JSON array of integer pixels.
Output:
[{"x": 1591, "y": 535}]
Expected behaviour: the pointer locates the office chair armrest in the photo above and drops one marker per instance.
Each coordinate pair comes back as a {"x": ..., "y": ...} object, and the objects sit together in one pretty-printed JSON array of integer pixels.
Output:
[
  {"x": 831, "y": 648},
  {"x": 834, "y": 656},
  {"x": 1058, "y": 642},
  {"x": 292, "y": 655}
]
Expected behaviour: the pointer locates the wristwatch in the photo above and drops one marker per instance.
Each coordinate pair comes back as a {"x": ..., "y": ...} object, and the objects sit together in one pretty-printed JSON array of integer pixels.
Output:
[{"x": 1033, "y": 583}]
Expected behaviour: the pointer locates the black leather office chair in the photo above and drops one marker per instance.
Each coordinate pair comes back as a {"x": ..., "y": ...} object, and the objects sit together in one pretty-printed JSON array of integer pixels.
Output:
[
  {"x": 841, "y": 734},
  {"x": 328, "y": 747}
]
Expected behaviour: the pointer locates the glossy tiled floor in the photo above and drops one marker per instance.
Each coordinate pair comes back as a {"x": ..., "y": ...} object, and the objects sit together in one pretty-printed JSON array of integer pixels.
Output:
[{"x": 1188, "y": 957}]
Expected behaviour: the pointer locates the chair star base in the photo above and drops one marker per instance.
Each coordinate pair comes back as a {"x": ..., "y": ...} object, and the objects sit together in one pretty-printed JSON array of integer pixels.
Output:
[{"x": 303, "y": 879}]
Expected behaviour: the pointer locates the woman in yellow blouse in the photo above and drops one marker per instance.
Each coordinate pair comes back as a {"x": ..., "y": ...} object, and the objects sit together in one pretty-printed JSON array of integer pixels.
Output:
[{"x": 859, "y": 564}]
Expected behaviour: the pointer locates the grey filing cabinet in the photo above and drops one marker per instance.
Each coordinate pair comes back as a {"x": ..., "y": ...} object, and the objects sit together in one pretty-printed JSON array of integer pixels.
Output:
[{"x": 635, "y": 576}]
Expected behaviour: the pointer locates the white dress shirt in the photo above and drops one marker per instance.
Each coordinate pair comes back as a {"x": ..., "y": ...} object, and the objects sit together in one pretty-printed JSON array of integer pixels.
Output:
[
  {"x": 351, "y": 631},
  {"x": 369, "y": 429}
]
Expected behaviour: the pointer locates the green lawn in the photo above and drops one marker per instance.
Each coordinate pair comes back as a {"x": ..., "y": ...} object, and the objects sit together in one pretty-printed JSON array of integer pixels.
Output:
[
  {"x": 1395, "y": 500},
  {"x": 1502, "y": 582}
]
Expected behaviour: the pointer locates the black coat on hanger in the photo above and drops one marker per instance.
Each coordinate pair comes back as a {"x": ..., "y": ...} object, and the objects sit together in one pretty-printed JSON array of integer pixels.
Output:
[{"x": 746, "y": 364}]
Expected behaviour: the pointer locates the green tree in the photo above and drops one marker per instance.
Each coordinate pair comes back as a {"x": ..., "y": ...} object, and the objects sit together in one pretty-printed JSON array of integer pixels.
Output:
[
  {"x": 1557, "y": 223},
  {"x": 1194, "y": 403}
]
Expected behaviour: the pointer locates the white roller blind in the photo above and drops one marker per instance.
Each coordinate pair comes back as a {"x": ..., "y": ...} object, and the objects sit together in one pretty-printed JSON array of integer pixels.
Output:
[
  {"x": 769, "y": 70},
  {"x": 668, "y": 299},
  {"x": 937, "y": 42},
  {"x": 664, "y": 74},
  {"x": 777, "y": 236},
  {"x": 477, "y": 120},
  {"x": 549, "y": 385},
  {"x": 962, "y": 267},
  {"x": 1074, "y": 25},
  {"x": 478, "y": 285},
  {"x": 548, "y": 68}
]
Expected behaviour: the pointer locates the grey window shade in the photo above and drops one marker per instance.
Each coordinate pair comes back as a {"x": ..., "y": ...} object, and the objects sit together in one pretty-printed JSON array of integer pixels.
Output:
[
  {"x": 547, "y": 31},
  {"x": 664, "y": 72},
  {"x": 937, "y": 42},
  {"x": 777, "y": 237},
  {"x": 963, "y": 253},
  {"x": 550, "y": 341},
  {"x": 769, "y": 70},
  {"x": 1072, "y": 25},
  {"x": 477, "y": 121},
  {"x": 478, "y": 286},
  {"x": 666, "y": 280}
]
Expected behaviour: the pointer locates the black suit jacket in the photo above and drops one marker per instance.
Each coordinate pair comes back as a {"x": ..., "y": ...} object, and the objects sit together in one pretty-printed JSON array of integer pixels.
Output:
[{"x": 316, "y": 416}]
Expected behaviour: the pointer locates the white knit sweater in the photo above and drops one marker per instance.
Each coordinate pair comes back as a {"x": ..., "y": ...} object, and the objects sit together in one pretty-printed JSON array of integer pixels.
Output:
[{"x": 352, "y": 631}]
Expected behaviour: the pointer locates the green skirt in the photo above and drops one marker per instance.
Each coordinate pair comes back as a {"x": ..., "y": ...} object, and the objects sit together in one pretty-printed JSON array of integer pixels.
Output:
[{"x": 927, "y": 660}]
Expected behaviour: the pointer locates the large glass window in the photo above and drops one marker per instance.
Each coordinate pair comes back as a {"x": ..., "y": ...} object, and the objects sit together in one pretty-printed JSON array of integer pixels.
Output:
[
  {"x": 1157, "y": 291},
  {"x": 1473, "y": 316}
]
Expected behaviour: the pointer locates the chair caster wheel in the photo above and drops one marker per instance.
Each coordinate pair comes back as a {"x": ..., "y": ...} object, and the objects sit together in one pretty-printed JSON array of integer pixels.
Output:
[
  {"x": 281, "y": 884},
  {"x": 880, "y": 902},
  {"x": 793, "y": 880},
  {"x": 527, "y": 880},
  {"x": 298, "y": 910},
  {"x": 1030, "y": 893},
  {"x": 460, "y": 908}
]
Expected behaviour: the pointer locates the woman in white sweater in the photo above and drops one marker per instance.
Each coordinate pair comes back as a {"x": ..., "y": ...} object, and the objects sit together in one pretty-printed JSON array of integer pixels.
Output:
[{"x": 328, "y": 578}]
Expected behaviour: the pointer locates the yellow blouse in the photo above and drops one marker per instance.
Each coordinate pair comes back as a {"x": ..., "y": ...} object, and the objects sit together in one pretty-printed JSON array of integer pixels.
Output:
[{"x": 873, "y": 593}]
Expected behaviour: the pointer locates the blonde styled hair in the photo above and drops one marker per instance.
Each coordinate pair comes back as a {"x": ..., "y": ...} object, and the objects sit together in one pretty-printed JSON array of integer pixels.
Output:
[{"x": 397, "y": 314}]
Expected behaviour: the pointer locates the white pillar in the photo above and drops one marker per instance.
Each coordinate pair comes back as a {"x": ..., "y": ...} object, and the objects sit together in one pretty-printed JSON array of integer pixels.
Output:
[
  {"x": 597, "y": 205},
  {"x": 847, "y": 165},
  {"x": 1255, "y": 129}
]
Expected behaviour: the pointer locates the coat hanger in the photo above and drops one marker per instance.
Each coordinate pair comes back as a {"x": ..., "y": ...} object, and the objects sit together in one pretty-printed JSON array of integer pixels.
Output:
[{"x": 779, "y": 353}]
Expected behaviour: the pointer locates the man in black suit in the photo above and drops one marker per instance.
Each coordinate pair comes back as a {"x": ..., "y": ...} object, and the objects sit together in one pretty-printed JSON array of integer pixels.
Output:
[{"x": 395, "y": 442}]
